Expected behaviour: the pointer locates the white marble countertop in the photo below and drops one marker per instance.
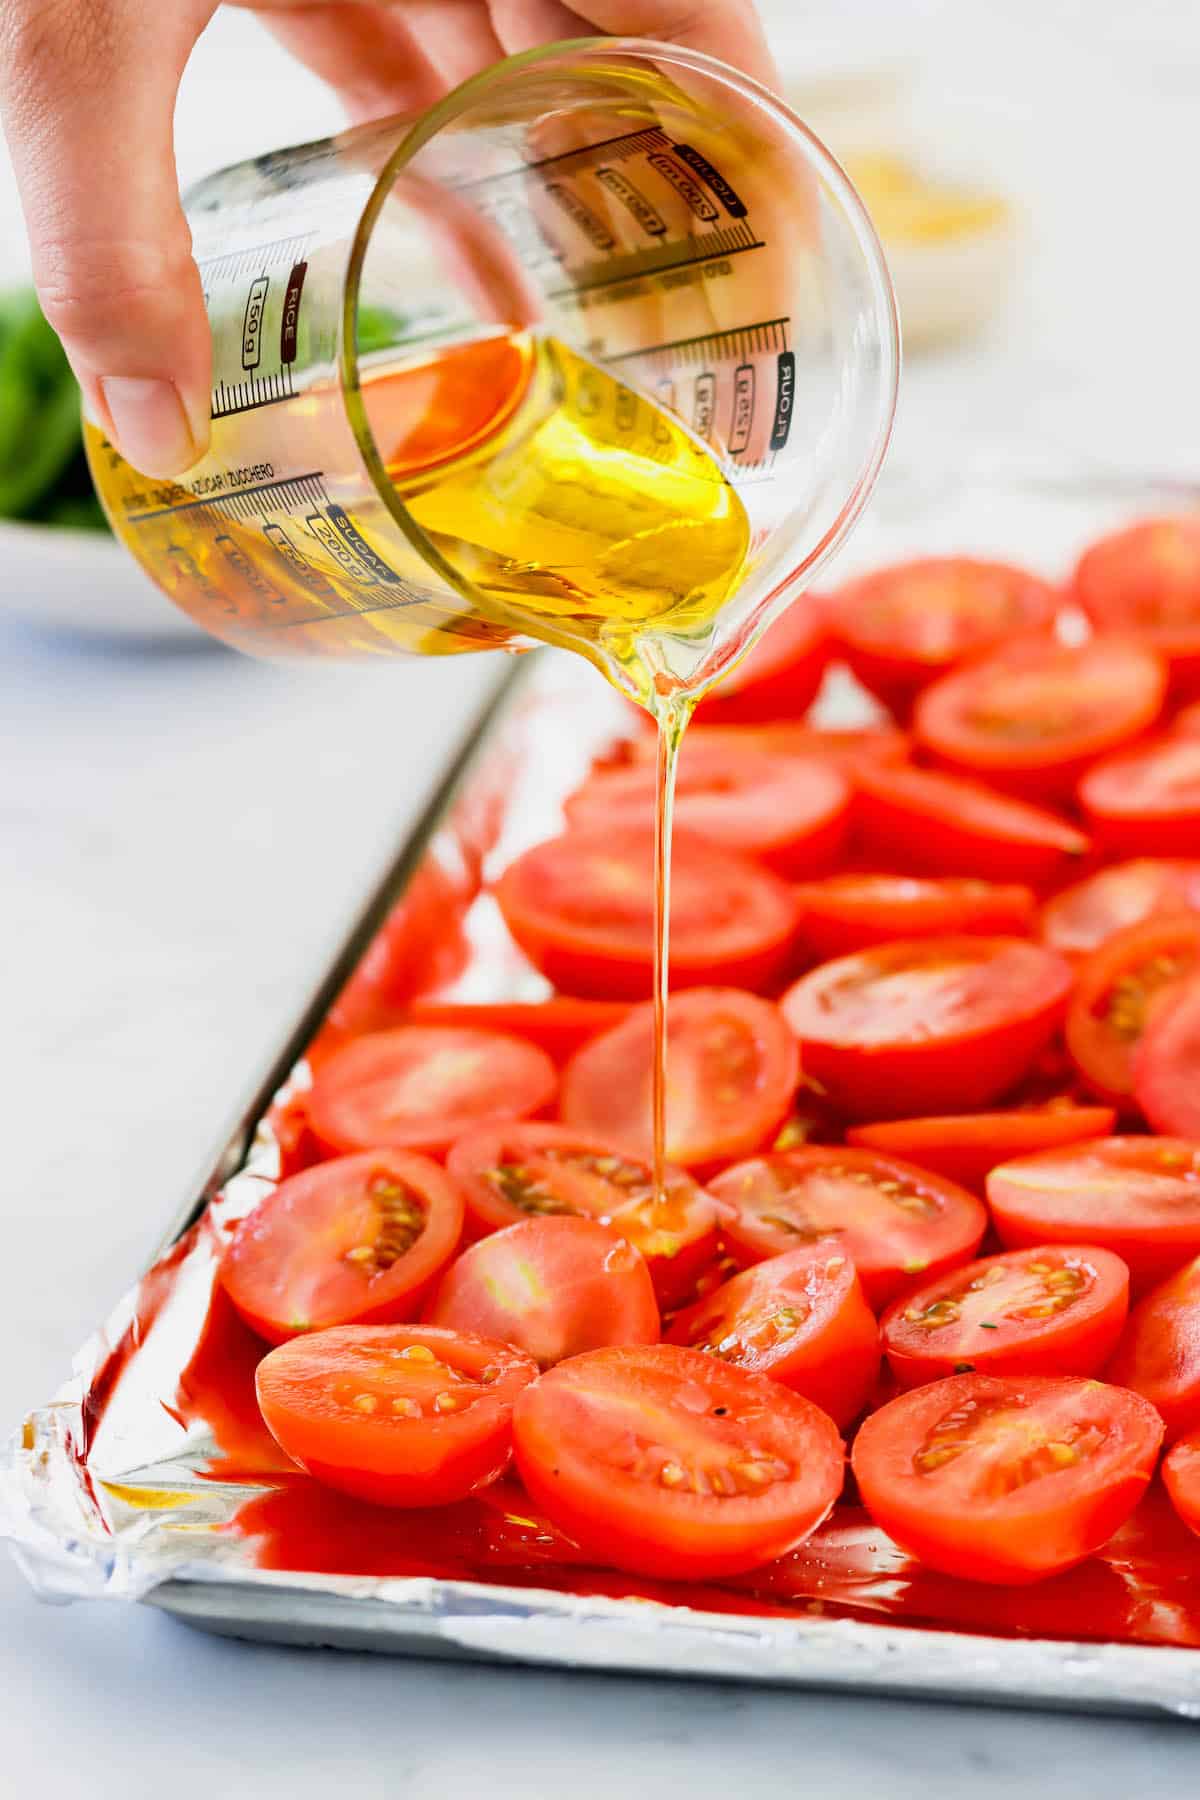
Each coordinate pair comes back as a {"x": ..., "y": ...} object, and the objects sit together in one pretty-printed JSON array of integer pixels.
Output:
[{"x": 183, "y": 834}]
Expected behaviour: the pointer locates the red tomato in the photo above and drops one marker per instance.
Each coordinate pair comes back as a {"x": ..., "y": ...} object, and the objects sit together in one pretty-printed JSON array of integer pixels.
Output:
[
  {"x": 419, "y": 946},
  {"x": 1187, "y": 719},
  {"x": 1166, "y": 1065},
  {"x": 1159, "y": 1352},
  {"x": 847, "y": 751},
  {"x": 732, "y": 1069},
  {"x": 1146, "y": 579},
  {"x": 401, "y": 1415},
  {"x": 901, "y": 627},
  {"x": 666, "y": 1462},
  {"x": 582, "y": 909},
  {"x": 926, "y": 1024},
  {"x": 1146, "y": 801},
  {"x": 1006, "y": 1479},
  {"x": 1086, "y": 915},
  {"x": 358, "y": 1240},
  {"x": 1136, "y": 1196},
  {"x": 1181, "y": 1473},
  {"x": 1120, "y": 988},
  {"x": 787, "y": 812},
  {"x": 852, "y": 912},
  {"x": 421, "y": 1086},
  {"x": 964, "y": 1147},
  {"x": 551, "y": 1287},
  {"x": 1034, "y": 714},
  {"x": 800, "y": 1318},
  {"x": 1057, "y": 1310},
  {"x": 780, "y": 677},
  {"x": 513, "y": 1172},
  {"x": 922, "y": 819},
  {"x": 559, "y": 1026},
  {"x": 896, "y": 1223}
]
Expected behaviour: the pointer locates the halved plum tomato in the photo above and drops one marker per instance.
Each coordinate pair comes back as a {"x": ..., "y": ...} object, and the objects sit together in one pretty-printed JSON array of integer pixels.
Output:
[
  {"x": 965, "y": 1147},
  {"x": 1166, "y": 1065},
  {"x": 901, "y": 627},
  {"x": 1181, "y": 1476},
  {"x": 895, "y": 1222},
  {"x": 581, "y": 907},
  {"x": 559, "y": 1025},
  {"x": 419, "y": 946},
  {"x": 780, "y": 677},
  {"x": 1146, "y": 801},
  {"x": 1034, "y": 714},
  {"x": 1006, "y": 1478},
  {"x": 1146, "y": 579},
  {"x": 926, "y": 1024},
  {"x": 923, "y": 819},
  {"x": 551, "y": 1287},
  {"x": 732, "y": 1068},
  {"x": 844, "y": 750},
  {"x": 1057, "y": 1310},
  {"x": 357, "y": 1240},
  {"x": 852, "y": 912},
  {"x": 800, "y": 1318},
  {"x": 1086, "y": 915},
  {"x": 1119, "y": 989},
  {"x": 1159, "y": 1352},
  {"x": 401, "y": 1415},
  {"x": 664, "y": 1461},
  {"x": 511, "y": 1172},
  {"x": 1136, "y": 1196},
  {"x": 421, "y": 1086},
  {"x": 790, "y": 813}
]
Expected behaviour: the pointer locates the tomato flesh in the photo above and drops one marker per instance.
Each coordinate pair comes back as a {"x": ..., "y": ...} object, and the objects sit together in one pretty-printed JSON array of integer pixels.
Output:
[
  {"x": 1086, "y": 915},
  {"x": 1119, "y": 990},
  {"x": 966, "y": 1147},
  {"x": 895, "y": 1222},
  {"x": 1159, "y": 1352},
  {"x": 357, "y": 1240},
  {"x": 1181, "y": 1475},
  {"x": 1146, "y": 801},
  {"x": 1056, "y": 1310},
  {"x": 1006, "y": 1479},
  {"x": 780, "y": 676},
  {"x": 667, "y": 1462},
  {"x": 401, "y": 1415},
  {"x": 1146, "y": 579},
  {"x": 1166, "y": 1064}
]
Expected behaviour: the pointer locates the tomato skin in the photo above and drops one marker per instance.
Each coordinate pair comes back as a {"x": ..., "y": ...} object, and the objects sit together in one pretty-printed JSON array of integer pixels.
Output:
[
  {"x": 1136, "y": 1196},
  {"x": 830, "y": 1355},
  {"x": 733, "y": 1070},
  {"x": 1166, "y": 1062},
  {"x": 1119, "y": 989},
  {"x": 949, "y": 1513},
  {"x": 1146, "y": 801},
  {"x": 923, "y": 819},
  {"x": 1090, "y": 1286},
  {"x": 966, "y": 1147},
  {"x": 779, "y": 678},
  {"x": 550, "y": 1287},
  {"x": 897, "y": 1223},
  {"x": 882, "y": 1056},
  {"x": 581, "y": 908},
  {"x": 419, "y": 946},
  {"x": 310, "y": 1392},
  {"x": 850, "y": 912},
  {"x": 1146, "y": 578},
  {"x": 1181, "y": 1475},
  {"x": 637, "y": 1509},
  {"x": 1159, "y": 1352},
  {"x": 559, "y": 1025},
  {"x": 293, "y": 1263},
  {"x": 1084, "y": 916}
]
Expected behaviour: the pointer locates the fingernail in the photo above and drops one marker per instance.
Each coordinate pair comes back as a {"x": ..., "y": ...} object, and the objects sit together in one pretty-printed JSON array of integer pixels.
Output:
[{"x": 149, "y": 424}]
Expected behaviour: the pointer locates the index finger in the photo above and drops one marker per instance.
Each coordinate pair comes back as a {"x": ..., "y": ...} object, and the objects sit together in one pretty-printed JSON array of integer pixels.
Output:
[{"x": 728, "y": 29}]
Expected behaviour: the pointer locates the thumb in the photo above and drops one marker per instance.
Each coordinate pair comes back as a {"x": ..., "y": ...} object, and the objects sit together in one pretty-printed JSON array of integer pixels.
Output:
[{"x": 87, "y": 95}]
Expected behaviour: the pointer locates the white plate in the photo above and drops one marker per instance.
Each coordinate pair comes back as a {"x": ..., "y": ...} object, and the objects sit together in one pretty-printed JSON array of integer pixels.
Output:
[{"x": 84, "y": 583}]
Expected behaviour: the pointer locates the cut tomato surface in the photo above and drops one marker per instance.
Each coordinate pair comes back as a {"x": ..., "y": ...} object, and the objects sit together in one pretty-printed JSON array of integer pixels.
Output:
[
  {"x": 923, "y": 819},
  {"x": 790, "y": 813},
  {"x": 667, "y": 1462},
  {"x": 897, "y": 1223},
  {"x": 1056, "y": 1310},
  {"x": 926, "y": 1023},
  {"x": 1120, "y": 988},
  {"x": 1146, "y": 579},
  {"x": 401, "y": 1415},
  {"x": 780, "y": 676},
  {"x": 732, "y": 1068},
  {"x": 1006, "y": 1479},
  {"x": 1159, "y": 1352},
  {"x": 514, "y": 1172},
  {"x": 421, "y": 1086},
  {"x": 1033, "y": 715},
  {"x": 845, "y": 913},
  {"x": 1085, "y": 915},
  {"x": 1136, "y": 1196},
  {"x": 356, "y": 1240},
  {"x": 1181, "y": 1475},
  {"x": 552, "y": 1287},
  {"x": 901, "y": 627},
  {"x": 559, "y": 1026},
  {"x": 1146, "y": 801},
  {"x": 581, "y": 907},
  {"x": 1166, "y": 1064},
  {"x": 800, "y": 1318},
  {"x": 965, "y": 1147}
]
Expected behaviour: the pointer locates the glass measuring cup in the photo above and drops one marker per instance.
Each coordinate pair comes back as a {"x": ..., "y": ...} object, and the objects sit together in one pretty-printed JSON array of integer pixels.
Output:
[{"x": 600, "y": 351}]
